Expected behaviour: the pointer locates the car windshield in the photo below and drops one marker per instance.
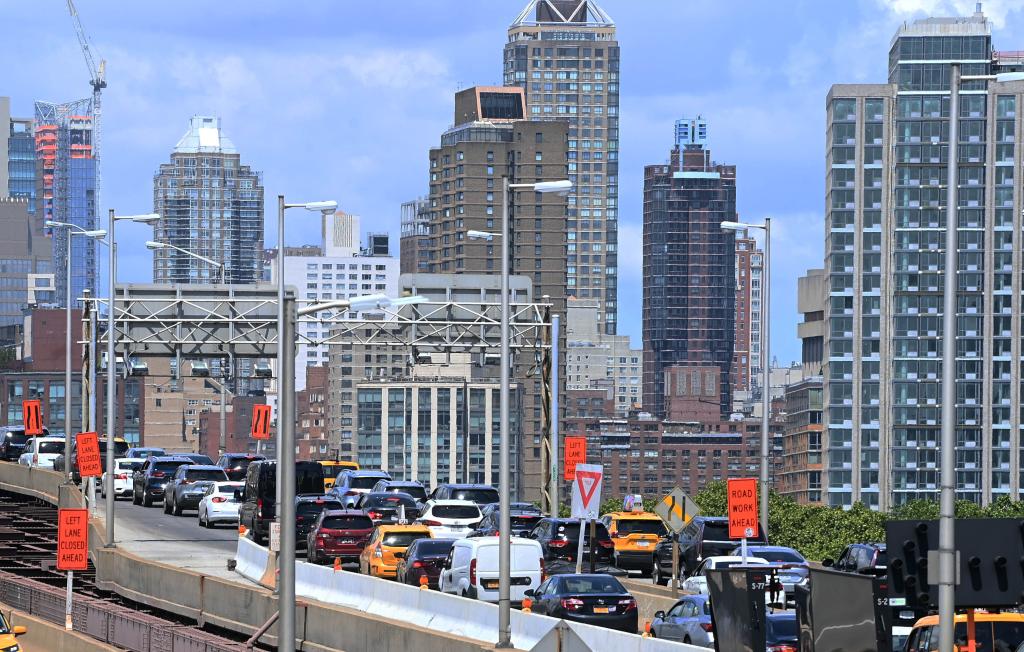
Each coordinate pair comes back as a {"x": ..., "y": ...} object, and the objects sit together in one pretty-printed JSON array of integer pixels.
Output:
[
  {"x": 198, "y": 475},
  {"x": 524, "y": 519},
  {"x": 332, "y": 470},
  {"x": 417, "y": 492},
  {"x": 402, "y": 539},
  {"x": 347, "y": 523},
  {"x": 882, "y": 558},
  {"x": 200, "y": 459},
  {"x": 51, "y": 447},
  {"x": 641, "y": 526},
  {"x": 169, "y": 467},
  {"x": 389, "y": 500},
  {"x": 240, "y": 462},
  {"x": 428, "y": 548},
  {"x": 364, "y": 481},
  {"x": 590, "y": 584},
  {"x": 307, "y": 508},
  {"x": 783, "y": 629},
  {"x": 17, "y": 438},
  {"x": 779, "y": 556},
  {"x": 571, "y": 531},
  {"x": 129, "y": 466},
  {"x": 714, "y": 531},
  {"x": 455, "y": 511},
  {"x": 478, "y": 496}
]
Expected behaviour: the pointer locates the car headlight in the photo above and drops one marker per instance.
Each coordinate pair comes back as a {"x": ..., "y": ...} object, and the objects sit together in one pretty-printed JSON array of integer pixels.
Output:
[{"x": 13, "y": 648}]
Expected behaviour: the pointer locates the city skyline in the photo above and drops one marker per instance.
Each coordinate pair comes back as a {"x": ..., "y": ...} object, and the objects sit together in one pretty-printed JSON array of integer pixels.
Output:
[{"x": 763, "y": 102}]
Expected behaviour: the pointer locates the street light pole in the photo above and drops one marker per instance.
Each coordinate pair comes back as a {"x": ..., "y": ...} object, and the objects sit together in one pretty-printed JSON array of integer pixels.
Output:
[
  {"x": 553, "y": 479},
  {"x": 947, "y": 448},
  {"x": 504, "y": 477}
]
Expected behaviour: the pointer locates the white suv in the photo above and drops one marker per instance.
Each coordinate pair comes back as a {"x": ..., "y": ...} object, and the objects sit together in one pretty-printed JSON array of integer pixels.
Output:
[
  {"x": 450, "y": 519},
  {"x": 40, "y": 452},
  {"x": 124, "y": 467}
]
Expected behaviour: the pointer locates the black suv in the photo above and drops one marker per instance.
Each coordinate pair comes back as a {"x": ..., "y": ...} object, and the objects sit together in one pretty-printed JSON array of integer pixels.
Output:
[
  {"x": 307, "y": 511},
  {"x": 257, "y": 509},
  {"x": 523, "y": 516},
  {"x": 560, "y": 539},
  {"x": 12, "y": 442},
  {"x": 235, "y": 464},
  {"x": 149, "y": 482},
  {"x": 705, "y": 536},
  {"x": 189, "y": 485},
  {"x": 863, "y": 558},
  {"x": 481, "y": 494}
]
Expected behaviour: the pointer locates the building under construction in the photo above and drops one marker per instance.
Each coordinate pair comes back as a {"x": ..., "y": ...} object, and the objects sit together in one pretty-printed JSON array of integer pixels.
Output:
[
  {"x": 66, "y": 190},
  {"x": 210, "y": 205}
]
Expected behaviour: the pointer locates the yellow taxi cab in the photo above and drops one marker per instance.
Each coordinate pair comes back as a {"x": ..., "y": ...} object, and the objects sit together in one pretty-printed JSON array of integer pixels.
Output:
[
  {"x": 993, "y": 632},
  {"x": 332, "y": 468},
  {"x": 635, "y": 534},
  {"x": 8, "y": 634},
  {"x": 387, "y": 545}
]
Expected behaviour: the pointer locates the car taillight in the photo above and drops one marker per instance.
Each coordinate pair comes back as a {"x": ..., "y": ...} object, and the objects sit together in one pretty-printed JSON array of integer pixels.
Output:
[
  {"x": 375, "y": 515},
  {"x": 605, "y": 543},
  {"x": 558, "y": 543},
  {"x": 417, "y": 564},
  {"x": 707, "y": 627},
  {"x": 259, "y": 507},
  {"x": 572, "y": 604},
  {"x": 377, "y": 552},
  {"x": 300, "y": 518},
  {"x": 472, "y": 572},
  {"x": 629, "y": 604},
  {"x": 158, "y": 474},
  {"x": 220, "y": 499},
  {"x": 543, "y": 575},
  {"x": 121, "y": 476},
  {"x": 430, "y": 523},
  {"x": 781, "y": 648}
]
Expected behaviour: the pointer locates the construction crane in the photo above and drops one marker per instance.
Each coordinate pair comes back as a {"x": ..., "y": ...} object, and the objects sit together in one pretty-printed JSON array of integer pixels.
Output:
[{"x": 98, "y": 81}]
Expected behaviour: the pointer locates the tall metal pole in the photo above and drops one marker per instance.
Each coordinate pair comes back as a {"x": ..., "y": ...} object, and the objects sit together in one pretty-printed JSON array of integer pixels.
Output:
[
  {"x": 504, "y": 477},
  {"x": 90, "y": 482},
  {"x": 280, "y": 351},
  {"x": 947, "y": 450},
  {"x": 111, "y": 378},
  {"x": 286, "y": 483},
  {"x": 553, "y": 478},
  {"x": 223, "y": 443},
  {"x": 766, "y": 390},
  {"x": 67, "y": 356}
]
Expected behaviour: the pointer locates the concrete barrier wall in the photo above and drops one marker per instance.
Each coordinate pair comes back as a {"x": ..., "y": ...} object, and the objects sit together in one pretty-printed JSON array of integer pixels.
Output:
[{"x": 43, "y": 635}]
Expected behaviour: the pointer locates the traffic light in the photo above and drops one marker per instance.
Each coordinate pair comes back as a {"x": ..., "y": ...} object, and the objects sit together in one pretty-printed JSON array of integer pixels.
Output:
[{"x": 990, "y": 562}]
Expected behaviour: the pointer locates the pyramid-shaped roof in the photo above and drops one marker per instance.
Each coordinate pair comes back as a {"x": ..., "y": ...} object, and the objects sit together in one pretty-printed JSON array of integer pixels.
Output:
[{"x": 567, "y": 12}]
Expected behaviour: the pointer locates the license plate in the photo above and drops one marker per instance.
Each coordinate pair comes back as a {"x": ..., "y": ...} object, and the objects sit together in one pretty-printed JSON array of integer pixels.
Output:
[
  {"x": 643, "y": 544},
  {"x": 347, "y": 541},
  {"x": 490, "y": 584},
  {"x": 600, "y": 610}
]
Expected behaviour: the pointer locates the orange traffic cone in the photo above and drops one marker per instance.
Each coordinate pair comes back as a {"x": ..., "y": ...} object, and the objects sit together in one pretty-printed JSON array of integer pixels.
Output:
[
  {"x": 527, "y": 605},
  {"x": 241, "y": 530},
  {"x": 424, "y": 582},
  {"x": 647, "y": 629},
  {"x": 337, "y": 563}
]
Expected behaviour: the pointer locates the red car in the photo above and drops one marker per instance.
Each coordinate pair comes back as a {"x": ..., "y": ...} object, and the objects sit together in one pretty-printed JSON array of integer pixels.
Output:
[
  {"x": 424, "y": 557},
  {"x": 338, "y": 533}
]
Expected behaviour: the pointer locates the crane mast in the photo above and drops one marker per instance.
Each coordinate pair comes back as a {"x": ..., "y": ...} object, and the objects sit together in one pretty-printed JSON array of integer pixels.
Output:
[{"x": 98, "y": 81}]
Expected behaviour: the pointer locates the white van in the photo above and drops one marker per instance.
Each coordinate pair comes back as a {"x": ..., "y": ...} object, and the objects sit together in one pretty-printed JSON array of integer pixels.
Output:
[{"x": 471, "y": 569}]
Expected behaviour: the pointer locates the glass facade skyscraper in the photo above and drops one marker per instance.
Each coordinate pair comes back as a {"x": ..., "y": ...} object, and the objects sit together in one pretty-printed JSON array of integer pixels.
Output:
[
  {"x": 888, "y": 147},
  {"x": 564, "y": 54},
  {"x": 210, "y": 204}
]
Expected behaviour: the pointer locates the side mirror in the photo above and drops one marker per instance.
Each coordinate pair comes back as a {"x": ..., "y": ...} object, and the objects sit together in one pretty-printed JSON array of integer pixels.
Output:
[
  {"x": 827, "y": 562},
  {"x": 18, "y": 630},
  {"x": 659, "y": 615},
  {"x": 399, "y": 555},
  {"x": 530, "y": 592},
  {"x": 239, "y": 495}
]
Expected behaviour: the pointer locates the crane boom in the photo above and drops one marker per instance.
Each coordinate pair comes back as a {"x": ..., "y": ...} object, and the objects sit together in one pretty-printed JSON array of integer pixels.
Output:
[{"x": 98, "y": 81}]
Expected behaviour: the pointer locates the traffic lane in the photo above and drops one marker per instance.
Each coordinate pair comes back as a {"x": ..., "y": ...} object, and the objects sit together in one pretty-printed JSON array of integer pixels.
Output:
[{"x": 175, "y": 540}]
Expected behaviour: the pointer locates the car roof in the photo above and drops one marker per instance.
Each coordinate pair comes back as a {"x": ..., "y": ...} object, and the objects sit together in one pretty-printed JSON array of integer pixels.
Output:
[
  {"x": 343, "y": 512},
  {"x": 979, "y": 616},
  {"x": 230, "y": 483},
  {"x": 390, "y": 494},
  {"x": 312, "y": 499},
  {"x": 639, "y": 516},
  {"x": 48, "y": 437},
  {"x": 466, "y": 485},
  {"x": 453, "y": 501},
  {"x": 771, "y": 548},
  {"x": 751, "y": 559},
  {"x": 403, "y": 528},
  {"x": 383, "y": 475},
  {"x": 402, "y": 483},
  {"x": 170, "y": 458},
  {"x": 255, "y": 456},
  {"x": 203, "y": 467}
]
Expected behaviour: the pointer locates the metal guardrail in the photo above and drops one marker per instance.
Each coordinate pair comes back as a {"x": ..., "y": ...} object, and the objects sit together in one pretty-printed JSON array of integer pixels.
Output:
[{"x": 107, "y": 622}]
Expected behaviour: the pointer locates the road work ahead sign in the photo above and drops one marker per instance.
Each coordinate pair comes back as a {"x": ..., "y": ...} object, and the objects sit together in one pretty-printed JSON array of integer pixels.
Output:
[
  {"x": 742, "y": 508},
  {"x": 586, "y": 491}
]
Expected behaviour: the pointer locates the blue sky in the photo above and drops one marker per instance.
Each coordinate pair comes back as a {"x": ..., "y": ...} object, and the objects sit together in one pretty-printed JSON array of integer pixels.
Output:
[{"x": 339, "y": 99}]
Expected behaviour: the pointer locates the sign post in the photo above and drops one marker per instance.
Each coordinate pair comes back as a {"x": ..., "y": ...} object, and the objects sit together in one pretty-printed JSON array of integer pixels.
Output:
[
  {"x": 72, "y": 549},
  {"x": 676, "y": 510},
  {"x": 586, "y": 502},
  {"x": 575, "y": 453},
  {"x": 743, "y": 519}
]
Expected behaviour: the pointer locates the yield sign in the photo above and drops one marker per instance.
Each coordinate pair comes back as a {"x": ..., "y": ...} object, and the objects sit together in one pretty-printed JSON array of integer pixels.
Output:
[{"x": 586, "y": 491}]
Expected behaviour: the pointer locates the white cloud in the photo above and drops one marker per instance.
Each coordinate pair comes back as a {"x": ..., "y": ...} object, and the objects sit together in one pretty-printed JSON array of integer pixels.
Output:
[{"x": 996, "y": 10}]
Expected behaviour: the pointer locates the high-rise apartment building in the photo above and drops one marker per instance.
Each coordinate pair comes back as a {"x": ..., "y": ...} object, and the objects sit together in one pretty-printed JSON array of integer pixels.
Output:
[
  {"x": 746, "y": 356},
  {"x": 886, "y": 167},
  {"x": 337, "y": 269},
  {"x": 564, "y": 55},
  {"x": 495, "y": 138},
  {"x": 210, "y": 204},
  {"x": 811, "y": 297},
  {"x": 594, "y": 359},
  {"x": 415, "y": 225},
  {"x": 689, "y": 303},
  {"x": 66, "y": 190},
  {"x": 26, "y": 263}
]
